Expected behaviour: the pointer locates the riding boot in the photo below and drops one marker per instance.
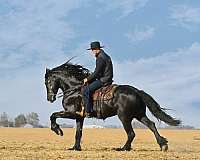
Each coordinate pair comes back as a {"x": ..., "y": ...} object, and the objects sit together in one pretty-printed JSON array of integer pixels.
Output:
[
  {"x": 89, "y": 110},
  {"x": 82, "y": 113},
  {"x": 89, "y": 114}
]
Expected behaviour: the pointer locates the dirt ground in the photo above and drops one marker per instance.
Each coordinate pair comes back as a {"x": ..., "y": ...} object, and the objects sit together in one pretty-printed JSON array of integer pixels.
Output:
[{"x": 22, "y": 144}]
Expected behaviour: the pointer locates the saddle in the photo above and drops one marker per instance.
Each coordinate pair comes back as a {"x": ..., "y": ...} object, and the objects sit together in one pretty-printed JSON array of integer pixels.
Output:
[
  {"x": 104, "y": 93},
  {"x": 101, "y": 95}
]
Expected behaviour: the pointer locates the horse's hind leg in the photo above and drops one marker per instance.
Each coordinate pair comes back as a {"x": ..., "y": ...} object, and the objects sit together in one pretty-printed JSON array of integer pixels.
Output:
[
  {"x": 151, "y": 125},
  {"x": 130, "y": 134}
]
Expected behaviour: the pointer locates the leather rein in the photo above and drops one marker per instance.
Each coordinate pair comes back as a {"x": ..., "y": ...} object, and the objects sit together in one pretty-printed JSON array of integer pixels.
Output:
[{"x": 69, "y": 92}]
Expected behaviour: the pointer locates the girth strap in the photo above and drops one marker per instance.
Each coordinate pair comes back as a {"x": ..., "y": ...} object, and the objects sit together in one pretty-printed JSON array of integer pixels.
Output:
[{"x": 100, "y": 96}]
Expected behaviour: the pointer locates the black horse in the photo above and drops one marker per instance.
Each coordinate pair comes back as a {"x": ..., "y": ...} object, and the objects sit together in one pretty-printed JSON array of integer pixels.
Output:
[{"x": 127, "y": 102}]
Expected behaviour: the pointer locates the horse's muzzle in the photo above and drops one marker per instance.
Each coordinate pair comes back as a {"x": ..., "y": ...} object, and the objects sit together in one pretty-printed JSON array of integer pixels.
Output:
[{"x": 51, "y": 98}]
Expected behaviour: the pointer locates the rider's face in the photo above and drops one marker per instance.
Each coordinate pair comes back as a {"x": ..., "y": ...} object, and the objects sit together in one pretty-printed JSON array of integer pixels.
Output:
[{"x": 95, "y": 52}]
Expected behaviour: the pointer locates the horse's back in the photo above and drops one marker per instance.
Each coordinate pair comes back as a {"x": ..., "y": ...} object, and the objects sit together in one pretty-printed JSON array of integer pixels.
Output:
[{"x": 126, "y": 101}]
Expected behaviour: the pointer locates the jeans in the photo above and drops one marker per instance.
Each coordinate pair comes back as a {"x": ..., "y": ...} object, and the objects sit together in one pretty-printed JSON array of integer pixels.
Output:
[{"x": 87, "y": 94}]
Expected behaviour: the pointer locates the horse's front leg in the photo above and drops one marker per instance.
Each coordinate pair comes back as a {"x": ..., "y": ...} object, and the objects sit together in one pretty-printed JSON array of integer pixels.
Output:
[
  {"x": 62, "y": 114},
  {"x": 79, "y": 128}
]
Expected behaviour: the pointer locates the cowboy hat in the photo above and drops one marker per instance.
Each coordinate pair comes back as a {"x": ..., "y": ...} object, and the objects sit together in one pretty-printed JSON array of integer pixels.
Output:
[{"x": 95, "y": 45}]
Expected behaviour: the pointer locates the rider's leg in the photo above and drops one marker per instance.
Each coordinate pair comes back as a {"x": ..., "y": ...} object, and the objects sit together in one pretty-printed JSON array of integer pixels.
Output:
[
  {"x": 86, "y": 98},
  {"x": 87, "y": 94}
]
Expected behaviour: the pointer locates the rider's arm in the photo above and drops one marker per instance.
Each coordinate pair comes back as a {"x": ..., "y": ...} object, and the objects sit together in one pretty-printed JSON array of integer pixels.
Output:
[{"x": 100, "y": 64}]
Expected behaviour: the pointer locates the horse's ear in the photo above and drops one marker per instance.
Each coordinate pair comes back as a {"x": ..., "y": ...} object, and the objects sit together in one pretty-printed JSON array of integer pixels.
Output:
[{"x": 47, "y": 70}]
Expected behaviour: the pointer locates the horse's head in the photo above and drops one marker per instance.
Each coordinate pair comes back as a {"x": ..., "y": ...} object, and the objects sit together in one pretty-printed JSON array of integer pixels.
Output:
[
  {"x": 51, "y": 83},
  {"x": 64, "y": 77}
]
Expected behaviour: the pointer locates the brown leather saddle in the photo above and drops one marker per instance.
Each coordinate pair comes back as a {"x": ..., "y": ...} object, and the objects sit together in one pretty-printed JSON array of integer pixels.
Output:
[
  {"x": 104, "y": 93},
  {"x": 101, "y": 95}
]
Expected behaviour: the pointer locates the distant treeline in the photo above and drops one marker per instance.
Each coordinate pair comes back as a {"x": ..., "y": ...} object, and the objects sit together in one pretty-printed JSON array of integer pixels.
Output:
[
  {"x": 137, "y": 124},
  {"x": 20, "y": 120},
  {"x": 32, "y": 120}
]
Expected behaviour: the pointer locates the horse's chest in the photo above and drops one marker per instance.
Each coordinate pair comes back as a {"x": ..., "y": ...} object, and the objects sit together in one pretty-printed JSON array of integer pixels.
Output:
[{"x": 71, "y": 103}]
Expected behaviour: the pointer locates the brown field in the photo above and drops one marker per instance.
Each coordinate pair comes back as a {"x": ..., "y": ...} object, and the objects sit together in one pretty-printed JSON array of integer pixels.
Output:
[{"x": 19, "y": 144}]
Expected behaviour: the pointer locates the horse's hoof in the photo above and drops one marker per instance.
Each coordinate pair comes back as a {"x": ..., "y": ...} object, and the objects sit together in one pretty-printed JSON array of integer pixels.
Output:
[
  {"x": 118, "y": 149},
  {"x": 126, "y": 149},
  {"x": 55, "y": 131},
  {"x": 164, "y": 147},
  {"x": 60, "y": 132},
  {"x": 75, "y": 149},
  {"x": 123, "y": 149}
]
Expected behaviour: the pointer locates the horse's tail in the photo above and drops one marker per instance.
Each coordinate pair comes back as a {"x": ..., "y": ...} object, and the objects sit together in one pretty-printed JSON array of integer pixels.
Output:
[{"x": 156, "y": 110}]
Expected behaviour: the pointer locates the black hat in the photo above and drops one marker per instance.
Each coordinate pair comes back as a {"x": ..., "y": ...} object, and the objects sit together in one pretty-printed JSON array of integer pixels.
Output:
[{"x": 95, "y": 45}]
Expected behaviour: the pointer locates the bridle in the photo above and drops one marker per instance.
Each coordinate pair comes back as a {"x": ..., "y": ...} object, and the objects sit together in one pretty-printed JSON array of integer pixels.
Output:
[{"x": 66, "y": 93}]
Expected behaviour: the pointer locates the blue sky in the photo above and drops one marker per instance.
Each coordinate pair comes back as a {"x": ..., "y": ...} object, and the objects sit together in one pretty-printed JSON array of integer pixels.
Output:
[{"x": 155, "y": 46}]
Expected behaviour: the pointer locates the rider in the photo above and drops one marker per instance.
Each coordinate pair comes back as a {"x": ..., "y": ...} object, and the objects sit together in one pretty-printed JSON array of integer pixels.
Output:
[{"x": 101, "y": 76}]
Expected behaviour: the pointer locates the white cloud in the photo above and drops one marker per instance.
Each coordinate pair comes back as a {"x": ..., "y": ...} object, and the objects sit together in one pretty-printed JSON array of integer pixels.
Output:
[
  {"x": 172, "y": 79},
  {"x": 186, "y": 16},
  {"x": 140, "y": 35},
  {"x": 34, "y": 31},
  {"x": 126, "y": 6}
]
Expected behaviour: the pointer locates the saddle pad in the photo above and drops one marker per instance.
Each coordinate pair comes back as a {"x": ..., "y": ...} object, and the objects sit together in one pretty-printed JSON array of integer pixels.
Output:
[{"x": 104, "y": 93}]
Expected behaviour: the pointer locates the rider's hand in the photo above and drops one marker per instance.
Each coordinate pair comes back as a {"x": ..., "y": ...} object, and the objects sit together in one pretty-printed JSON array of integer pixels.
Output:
[{"x": 85, "y": 81}]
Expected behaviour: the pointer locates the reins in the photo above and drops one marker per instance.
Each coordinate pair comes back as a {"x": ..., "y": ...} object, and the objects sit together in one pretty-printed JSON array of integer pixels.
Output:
[{"x": 69, "y": 92}]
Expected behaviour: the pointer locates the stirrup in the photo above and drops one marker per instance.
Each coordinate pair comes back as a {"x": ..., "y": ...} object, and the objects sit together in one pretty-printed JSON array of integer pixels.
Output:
[
  {"x": 89, "y": 115},
  {"x": 82, "y": 112}
]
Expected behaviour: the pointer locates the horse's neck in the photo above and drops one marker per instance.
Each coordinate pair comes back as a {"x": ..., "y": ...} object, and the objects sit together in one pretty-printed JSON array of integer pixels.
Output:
[
  {"x": 69, "y": 84},
  {"x": 63, "y": 86}
]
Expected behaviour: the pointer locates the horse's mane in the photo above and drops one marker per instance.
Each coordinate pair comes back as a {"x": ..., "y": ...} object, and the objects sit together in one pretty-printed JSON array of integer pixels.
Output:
[{"x": 76, "y": 70}]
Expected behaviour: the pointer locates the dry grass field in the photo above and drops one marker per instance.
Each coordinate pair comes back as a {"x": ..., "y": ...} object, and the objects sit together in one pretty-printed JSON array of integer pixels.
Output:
[{"x": 22, "y": 144}]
